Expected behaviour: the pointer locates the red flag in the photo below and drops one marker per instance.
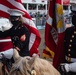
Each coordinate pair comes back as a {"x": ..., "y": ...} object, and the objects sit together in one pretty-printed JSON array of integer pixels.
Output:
[
  {"x": 54, "y": 32},
  {"x": 50, "y": 31},
  {"x": 35, "y": 38}
]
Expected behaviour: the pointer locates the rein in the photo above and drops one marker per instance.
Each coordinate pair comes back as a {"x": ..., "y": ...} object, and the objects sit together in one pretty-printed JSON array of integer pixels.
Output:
[{"x": 32, "y": 72}]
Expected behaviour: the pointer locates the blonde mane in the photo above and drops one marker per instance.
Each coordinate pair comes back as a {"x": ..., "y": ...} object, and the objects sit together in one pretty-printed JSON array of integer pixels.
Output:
[
  {"x": 43, "y": 67},
  {"x": 32, "y": 66}
]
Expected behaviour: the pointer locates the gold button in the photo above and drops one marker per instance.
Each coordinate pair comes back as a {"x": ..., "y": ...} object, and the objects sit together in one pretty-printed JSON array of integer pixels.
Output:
[
  {"x": 69, "y": 55},
  {"x": 70, "y": 40},
  {"x": 69, "y": 49},
  {"x": 72, "y": 36},
  {"x": 68, "y": 59},
  {"x": 70, "y": 45},
  {"x": 74, "y": 32}
]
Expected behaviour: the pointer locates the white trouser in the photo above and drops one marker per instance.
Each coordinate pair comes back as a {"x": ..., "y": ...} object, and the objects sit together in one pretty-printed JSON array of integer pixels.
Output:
[
  {"x": 70, "y": 67},
  {"x": 8, "y": 53}
]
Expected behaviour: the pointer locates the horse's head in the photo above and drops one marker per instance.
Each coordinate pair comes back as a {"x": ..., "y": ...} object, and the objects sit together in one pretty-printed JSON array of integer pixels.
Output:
[
  {"x": 32, "y": 66},
  {"x": 21, "y": 65},
  {"x": 42, "y": 67}
]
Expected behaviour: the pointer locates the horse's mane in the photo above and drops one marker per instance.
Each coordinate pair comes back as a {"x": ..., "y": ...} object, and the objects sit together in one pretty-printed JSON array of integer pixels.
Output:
[
  {"x": 33, "y": 66},
  {"x": 20, "y": 67},
  {"x": 43, "y": 67}
]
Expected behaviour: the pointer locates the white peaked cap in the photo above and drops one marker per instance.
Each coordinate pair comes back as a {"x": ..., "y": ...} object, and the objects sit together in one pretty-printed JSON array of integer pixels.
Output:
[{"x": 15, "y": 12}]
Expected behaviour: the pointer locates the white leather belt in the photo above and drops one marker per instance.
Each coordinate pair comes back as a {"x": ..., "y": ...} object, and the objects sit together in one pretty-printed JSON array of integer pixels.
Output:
[
  {"x": 5, "y": 40},
  {"x": 69, "y": 59}
]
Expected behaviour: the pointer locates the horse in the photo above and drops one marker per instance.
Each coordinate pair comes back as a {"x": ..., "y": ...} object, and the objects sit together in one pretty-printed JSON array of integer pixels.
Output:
[{"x": 31, "y": 66}]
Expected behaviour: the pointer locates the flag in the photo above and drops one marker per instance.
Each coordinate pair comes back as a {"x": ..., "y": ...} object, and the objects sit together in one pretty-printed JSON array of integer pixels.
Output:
[
  {"x": 35, "y": 38},
  {"x": 49, "y": 28},
  {"x": 54, "y": 32}
]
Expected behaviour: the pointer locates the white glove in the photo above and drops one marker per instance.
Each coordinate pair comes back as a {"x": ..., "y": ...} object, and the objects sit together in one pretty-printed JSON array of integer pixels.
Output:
[
  {"x": 8, "y": 53},
  {"x": 5, "y": 24}
]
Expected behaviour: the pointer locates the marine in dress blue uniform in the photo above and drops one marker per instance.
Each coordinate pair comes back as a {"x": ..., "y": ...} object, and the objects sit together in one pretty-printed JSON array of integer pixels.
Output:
[
  {"x": 19, "y": 33},
  {"x": 69, "y": 65}
]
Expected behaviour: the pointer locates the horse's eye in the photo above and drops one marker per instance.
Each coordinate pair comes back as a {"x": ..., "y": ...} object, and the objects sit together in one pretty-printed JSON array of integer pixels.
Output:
[
  {"x": 29, "y": 72},
  {"x": 17, "y": 69}
]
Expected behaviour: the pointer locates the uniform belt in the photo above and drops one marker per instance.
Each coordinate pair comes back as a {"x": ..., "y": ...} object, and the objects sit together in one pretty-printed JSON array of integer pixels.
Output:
[
  {"x": 69, "y": 59},
  {"x": 5, "y": 40}
]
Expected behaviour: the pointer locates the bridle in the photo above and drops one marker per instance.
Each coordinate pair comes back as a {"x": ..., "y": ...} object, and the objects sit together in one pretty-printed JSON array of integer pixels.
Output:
[{"x": 32, "y": 72}]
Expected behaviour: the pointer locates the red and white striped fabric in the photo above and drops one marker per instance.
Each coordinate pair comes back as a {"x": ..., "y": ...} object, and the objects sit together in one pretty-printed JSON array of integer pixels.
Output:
[
  {"x": 35, "y": 38},
  {"x": 54, "y": 32}
]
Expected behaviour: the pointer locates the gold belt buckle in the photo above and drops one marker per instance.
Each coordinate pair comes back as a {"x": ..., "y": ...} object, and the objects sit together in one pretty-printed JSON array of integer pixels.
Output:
[{"x": 69, "y": 59}]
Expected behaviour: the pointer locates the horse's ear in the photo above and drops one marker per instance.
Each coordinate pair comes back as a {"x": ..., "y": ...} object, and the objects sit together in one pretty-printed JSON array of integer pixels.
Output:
[
  {"x": 32, "y": 60},
  {"x": 15, "y": 54}
]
